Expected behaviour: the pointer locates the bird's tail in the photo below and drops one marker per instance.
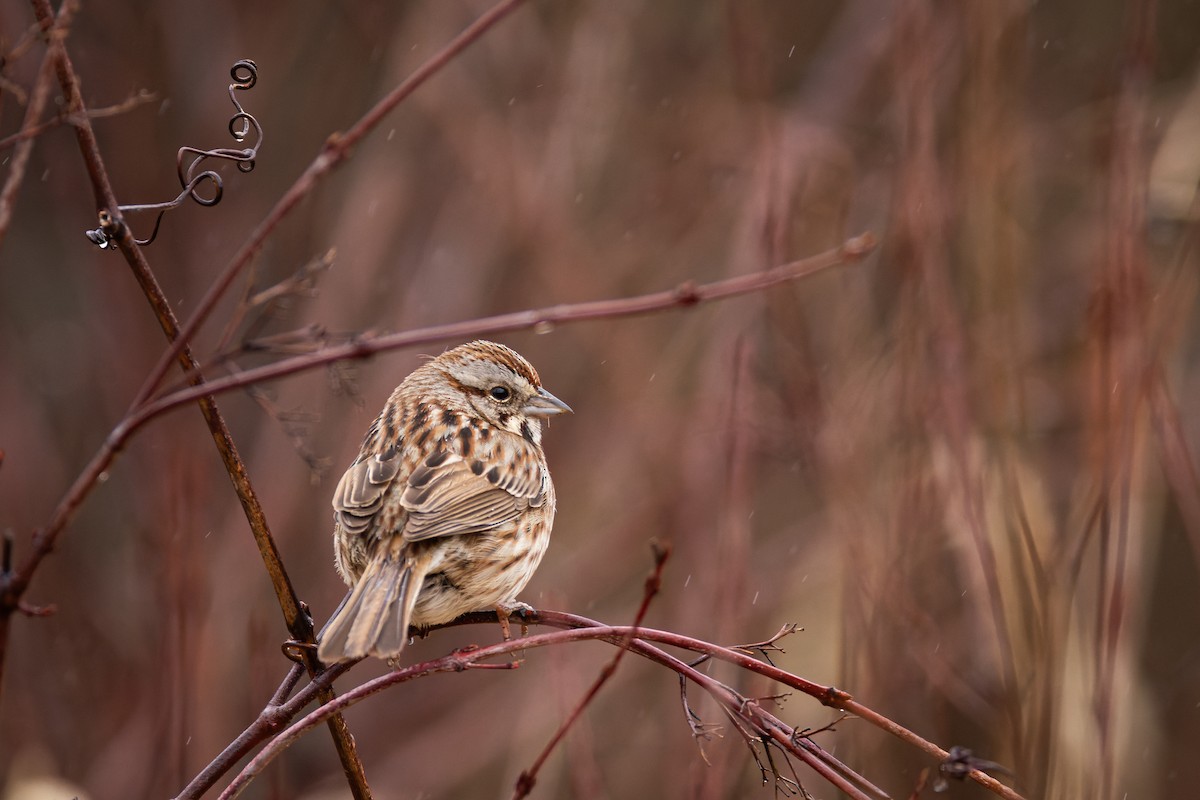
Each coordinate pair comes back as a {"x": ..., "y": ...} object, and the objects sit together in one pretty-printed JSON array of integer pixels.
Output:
[{"x": 373, "y": 619}]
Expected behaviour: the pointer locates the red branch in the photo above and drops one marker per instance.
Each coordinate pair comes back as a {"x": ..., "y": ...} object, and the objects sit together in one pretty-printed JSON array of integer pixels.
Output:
[
  {"x": 684, "y": 295},
  {"x": 641, "y": 641},
  {"x": 528, "y": 778}
]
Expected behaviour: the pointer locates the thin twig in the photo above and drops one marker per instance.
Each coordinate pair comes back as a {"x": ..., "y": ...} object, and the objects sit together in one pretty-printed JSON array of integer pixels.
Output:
[
  {"x": 265, "y": 302},
  {"x": 528, "y": 778},
  {"x": 13, "y": 584},
  {"x": 128, "y": 104},
  {"x": 701, "y": 731},
  {"x": 33, "y": 112},
  {"x": 1122, "y": 370},
  {"x": 278, "y": 712},
  {"x": 1177, "y": 463},
  {"x": 922, "y": 225}
]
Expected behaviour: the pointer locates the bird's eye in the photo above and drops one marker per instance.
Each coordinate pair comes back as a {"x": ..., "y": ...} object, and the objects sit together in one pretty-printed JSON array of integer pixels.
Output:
[{"x": 501, "y": 393}]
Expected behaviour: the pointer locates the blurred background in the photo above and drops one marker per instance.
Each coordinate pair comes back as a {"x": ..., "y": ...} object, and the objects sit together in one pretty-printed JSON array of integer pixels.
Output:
[{"x": 965, "y": 466}]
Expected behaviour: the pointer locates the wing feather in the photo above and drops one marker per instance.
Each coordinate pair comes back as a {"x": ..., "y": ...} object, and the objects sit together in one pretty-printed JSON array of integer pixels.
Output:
[
  {"x": 446, "y": 494},
  {"x": 360, "y": 492},
  {"x": 449, "y": 495}
]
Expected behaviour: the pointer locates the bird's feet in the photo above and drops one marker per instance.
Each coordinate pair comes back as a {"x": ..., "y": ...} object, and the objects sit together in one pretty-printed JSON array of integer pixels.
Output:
[{"x": 506, "y": 610}]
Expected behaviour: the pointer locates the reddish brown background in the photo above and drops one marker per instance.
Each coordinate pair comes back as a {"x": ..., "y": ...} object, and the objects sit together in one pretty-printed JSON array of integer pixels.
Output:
[{"x": 833, "y": 453}]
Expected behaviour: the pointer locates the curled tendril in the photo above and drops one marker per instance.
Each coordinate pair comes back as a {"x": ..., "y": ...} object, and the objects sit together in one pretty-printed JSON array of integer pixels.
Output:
[{"x": 189, "y": 159}]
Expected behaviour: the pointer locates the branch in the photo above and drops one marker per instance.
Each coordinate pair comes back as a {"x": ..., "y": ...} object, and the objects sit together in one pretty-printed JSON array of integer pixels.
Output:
[
  {"x": 685, "y": 295},
  {"x": 128, "y": 104},
  {"x": 639, "y": 640},
  {"x": 37, "y": 104},
  {"x": 277, "y": 713},
  {"x": 528, "y": 778}
]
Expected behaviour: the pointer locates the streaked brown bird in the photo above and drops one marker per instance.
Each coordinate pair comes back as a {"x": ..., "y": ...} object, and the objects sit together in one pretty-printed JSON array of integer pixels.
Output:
[{"x": 449, "y": 505}]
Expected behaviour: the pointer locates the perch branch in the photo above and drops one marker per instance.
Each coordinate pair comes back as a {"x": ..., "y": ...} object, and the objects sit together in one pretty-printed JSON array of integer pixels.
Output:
[{"x": 640, "y": 640}]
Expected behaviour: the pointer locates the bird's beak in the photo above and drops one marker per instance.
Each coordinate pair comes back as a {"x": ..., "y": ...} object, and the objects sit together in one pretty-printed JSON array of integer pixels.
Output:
[{"x": 544, "y": 404}]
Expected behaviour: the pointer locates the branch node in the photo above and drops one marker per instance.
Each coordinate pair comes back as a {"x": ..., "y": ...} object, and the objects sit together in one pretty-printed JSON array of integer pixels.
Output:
[
  {"x": 275, "y": 716},
  {"x": 686, "y": 293},
  {"x": 860, "y": 246},
  {"x": 111, "y": 228},
  {"x": 960, "y": 762},
  {"x": 835, "y": 697},
  {"x": 524, "y": 785}
]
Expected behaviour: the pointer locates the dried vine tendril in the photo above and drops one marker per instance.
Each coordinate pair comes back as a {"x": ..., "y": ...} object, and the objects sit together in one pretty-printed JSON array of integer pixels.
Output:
[{"x": 189, "y": 159}]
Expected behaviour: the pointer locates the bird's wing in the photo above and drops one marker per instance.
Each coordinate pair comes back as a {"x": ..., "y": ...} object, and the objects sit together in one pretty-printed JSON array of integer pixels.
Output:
[
  {"x": 449, "y": 494},
  {"x": 359, "y": 495}
]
